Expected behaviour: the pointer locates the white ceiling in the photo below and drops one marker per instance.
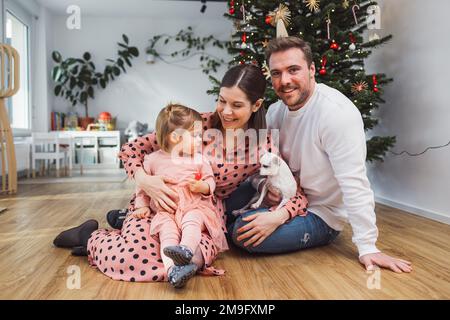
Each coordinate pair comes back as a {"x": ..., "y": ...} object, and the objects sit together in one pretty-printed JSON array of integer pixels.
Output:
[{"x": 139, "y": 8}]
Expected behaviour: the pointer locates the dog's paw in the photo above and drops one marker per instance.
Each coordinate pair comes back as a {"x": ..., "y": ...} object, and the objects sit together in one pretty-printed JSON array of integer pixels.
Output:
[
  {"x": 255, "y": 206},
  {"x": 237, "y": 212}
]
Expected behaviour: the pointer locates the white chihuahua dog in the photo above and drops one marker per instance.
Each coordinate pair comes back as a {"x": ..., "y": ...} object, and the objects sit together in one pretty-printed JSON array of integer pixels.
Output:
[{"x": 279, "y": 176}]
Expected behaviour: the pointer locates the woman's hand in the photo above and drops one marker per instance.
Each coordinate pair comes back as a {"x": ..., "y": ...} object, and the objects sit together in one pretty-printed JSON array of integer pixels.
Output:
[
  {"x": 155, "y": 187},
  {"x": 261, "y": 225}
]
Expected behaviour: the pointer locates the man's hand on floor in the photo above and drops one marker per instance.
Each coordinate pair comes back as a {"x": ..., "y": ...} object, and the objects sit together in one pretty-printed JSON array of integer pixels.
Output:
[{"x": 384, "y": 261}]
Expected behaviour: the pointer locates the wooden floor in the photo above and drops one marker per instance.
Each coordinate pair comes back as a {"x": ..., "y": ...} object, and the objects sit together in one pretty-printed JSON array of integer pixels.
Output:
[{"x": 31, "y": 268}]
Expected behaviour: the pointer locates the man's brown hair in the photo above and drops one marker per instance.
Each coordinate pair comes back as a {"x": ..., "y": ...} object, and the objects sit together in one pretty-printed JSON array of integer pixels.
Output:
[{"x": 286, "y": 43}]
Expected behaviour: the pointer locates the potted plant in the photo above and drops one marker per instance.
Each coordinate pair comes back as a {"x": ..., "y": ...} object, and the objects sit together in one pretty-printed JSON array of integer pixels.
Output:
[{"x": 77, "y": 78}]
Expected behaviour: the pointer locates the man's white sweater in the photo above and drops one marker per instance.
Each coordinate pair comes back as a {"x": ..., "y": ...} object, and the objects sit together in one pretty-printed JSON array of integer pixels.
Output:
[{"x": 324, "y": 143}]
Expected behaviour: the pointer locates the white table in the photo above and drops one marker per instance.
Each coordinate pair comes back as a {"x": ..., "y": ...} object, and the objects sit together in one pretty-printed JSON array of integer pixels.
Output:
[{"x": 106, "y": 146}]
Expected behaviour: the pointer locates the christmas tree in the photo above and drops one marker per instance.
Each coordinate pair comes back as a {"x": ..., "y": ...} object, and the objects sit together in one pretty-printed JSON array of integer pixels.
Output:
[{"x": 336, "y": 31}]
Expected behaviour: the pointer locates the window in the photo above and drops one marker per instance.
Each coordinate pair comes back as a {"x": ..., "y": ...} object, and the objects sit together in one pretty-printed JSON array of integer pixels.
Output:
[{"x": 17, "y": 34}]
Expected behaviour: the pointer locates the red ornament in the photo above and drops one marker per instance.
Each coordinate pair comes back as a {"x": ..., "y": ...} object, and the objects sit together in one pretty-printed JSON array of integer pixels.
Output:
[
  {"x": 334, "y": 45},
  {"x": 352, "y": 45},
  {"x": 323, "y": 70},
  {"x": 375, "y": 83},
  {"x": 198, "y": 176},
  {"x": 244, "y": 37},
  {"x": 231, "y": 11},
  {"x": 269, "y": 20}
]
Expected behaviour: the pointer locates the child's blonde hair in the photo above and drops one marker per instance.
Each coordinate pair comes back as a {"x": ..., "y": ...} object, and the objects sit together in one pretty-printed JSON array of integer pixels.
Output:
[{"x": 174, "y": 116}]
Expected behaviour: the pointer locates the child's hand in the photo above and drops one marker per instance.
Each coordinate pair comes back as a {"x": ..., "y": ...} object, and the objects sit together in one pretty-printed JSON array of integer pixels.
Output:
[
  {"x": 198, "y": 186},
  {"x": 141, "y": 213}
]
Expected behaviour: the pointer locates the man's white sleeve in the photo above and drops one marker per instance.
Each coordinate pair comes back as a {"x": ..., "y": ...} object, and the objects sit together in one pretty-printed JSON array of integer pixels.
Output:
[{"x": 344, "y": 141}]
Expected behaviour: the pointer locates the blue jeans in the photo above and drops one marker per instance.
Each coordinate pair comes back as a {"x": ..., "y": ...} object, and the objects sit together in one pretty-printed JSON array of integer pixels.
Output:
[{"x": 299, "y": 233}]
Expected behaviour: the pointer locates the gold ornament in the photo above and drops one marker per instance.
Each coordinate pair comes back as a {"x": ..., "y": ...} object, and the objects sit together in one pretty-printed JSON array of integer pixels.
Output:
[
  {"x": 265, "y": 43},
  {"x": 345, "y": 4},
  {"x": 359, "y": 86},
  {"x": 313, "y": 5},
  {"x": 282, "y": 13},
  {"x": 266, "y": 70},
  {"x": 280, "y": 18}
]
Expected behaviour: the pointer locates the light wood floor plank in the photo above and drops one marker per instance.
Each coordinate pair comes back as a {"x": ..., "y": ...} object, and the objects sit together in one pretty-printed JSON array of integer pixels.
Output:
[{"x": 31, "y": 268}]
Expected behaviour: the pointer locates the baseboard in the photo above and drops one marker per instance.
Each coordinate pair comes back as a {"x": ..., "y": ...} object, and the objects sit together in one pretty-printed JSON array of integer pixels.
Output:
[{"x": 414, "y": 210}]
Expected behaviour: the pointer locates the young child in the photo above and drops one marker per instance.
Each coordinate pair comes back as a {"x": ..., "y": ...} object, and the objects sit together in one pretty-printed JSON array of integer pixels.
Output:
[{"x": 180, "y": 233}]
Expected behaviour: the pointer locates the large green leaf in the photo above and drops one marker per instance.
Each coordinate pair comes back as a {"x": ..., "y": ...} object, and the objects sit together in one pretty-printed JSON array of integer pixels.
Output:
[
  {"x": 73, "y": 82},
  {"x": 87, "y": 56},
  {"x": 56, "y": 73},
  {"x": 58, "y": 89},
  {"x": 83, "y": 97},
  {"x": 56, "y": 56},
  {"x": 134, "y": 51},
  {"x": 116, "y": 71},
  {"x": 125, "y": 38},
  {"x": 91, "y": 92}
]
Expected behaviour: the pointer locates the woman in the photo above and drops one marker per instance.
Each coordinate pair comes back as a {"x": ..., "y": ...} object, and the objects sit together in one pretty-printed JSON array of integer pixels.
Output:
[{"x": 239, "y": 107}]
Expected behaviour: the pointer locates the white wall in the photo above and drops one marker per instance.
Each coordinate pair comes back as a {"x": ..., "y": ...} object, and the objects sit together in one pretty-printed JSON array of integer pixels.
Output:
[
  {"x": 145, "y": 89},
  {"x": 417, "y": 109},
  {"x": 42, "y": 86}
]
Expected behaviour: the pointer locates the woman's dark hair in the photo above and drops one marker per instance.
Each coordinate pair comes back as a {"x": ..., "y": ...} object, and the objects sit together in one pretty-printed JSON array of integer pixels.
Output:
[{"x": 250, "y": 79}]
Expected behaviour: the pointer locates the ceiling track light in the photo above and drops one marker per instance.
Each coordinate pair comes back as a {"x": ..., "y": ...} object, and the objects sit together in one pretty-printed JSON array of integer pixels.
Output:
[{"x": 203, "y": 9}]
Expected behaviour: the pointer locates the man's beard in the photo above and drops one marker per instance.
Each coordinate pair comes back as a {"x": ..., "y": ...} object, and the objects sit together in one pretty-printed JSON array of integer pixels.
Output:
[{"x": 304, "y": 94}]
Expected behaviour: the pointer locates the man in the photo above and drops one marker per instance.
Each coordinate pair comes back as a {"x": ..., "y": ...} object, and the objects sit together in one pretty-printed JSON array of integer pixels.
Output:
[{"x": 322, "y": 139}]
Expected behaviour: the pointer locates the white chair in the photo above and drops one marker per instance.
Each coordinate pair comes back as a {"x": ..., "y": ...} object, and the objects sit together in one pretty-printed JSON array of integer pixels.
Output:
[{"x": 52, "y": 146}]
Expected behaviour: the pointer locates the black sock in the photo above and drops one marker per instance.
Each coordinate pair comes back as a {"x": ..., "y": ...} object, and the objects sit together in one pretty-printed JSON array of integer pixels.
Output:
[{"x": 77, "y": 236}]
